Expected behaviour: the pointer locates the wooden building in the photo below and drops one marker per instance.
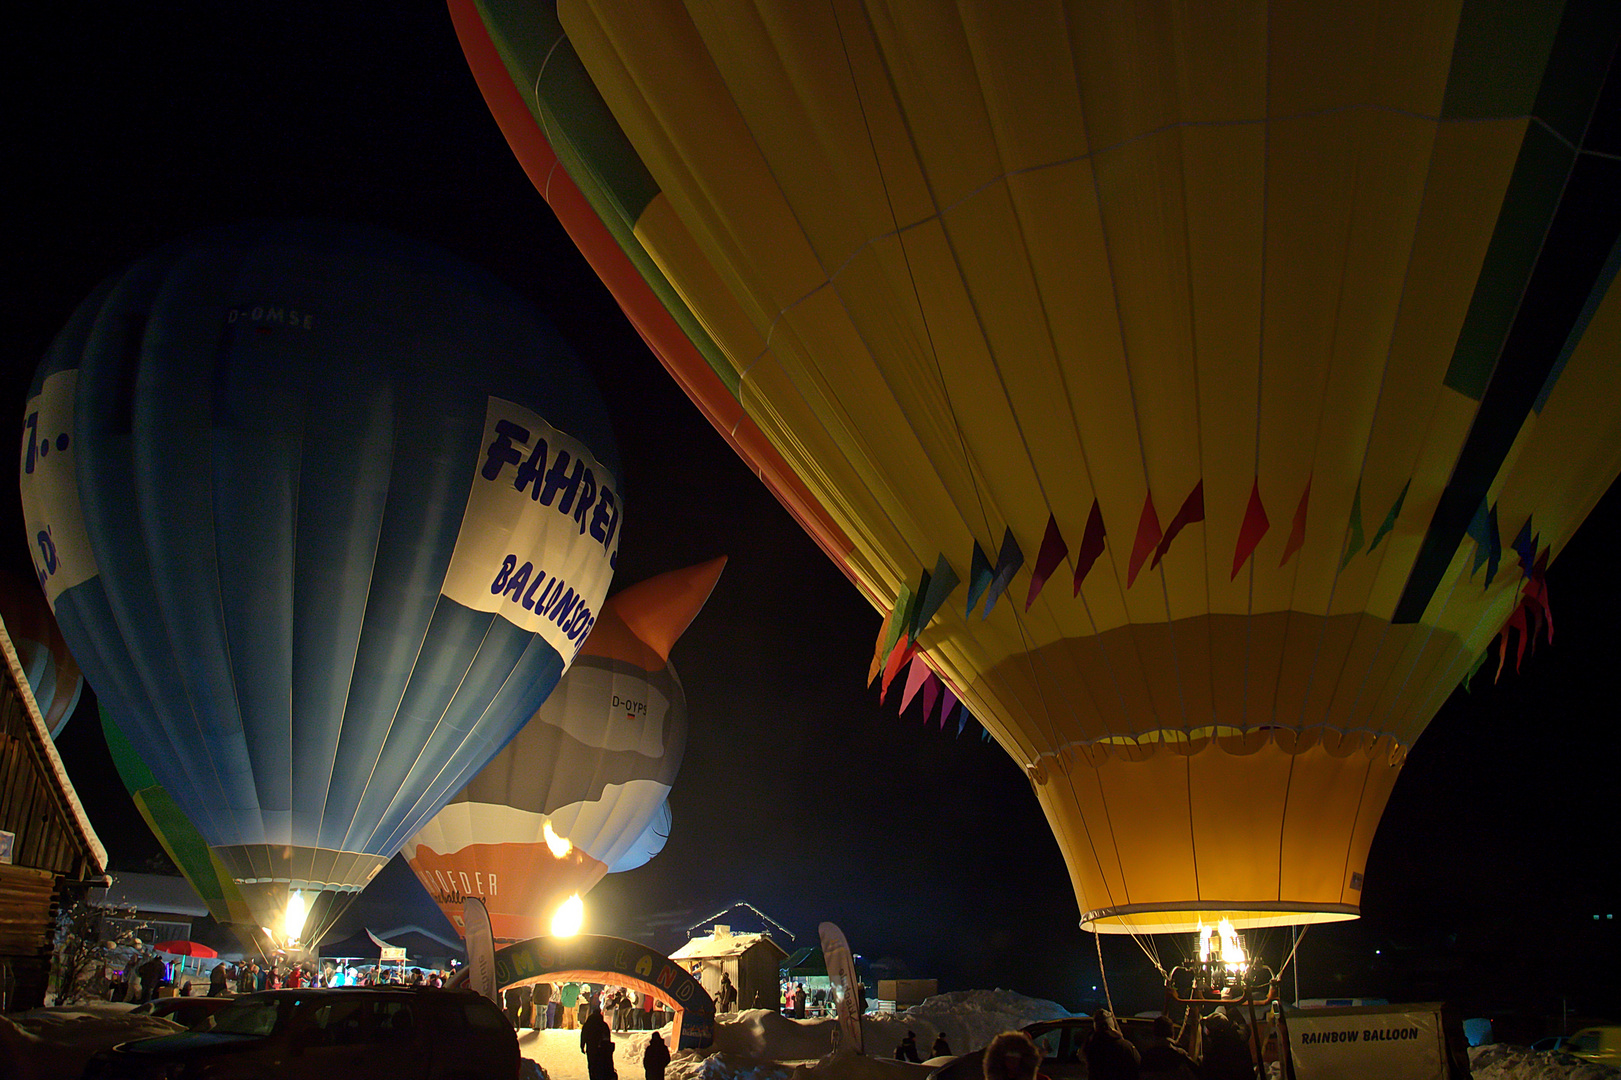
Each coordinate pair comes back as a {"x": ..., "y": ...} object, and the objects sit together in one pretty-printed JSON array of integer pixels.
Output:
[
  {"x": 753, "y": 961},
  {"x": 49, "y": 854}
]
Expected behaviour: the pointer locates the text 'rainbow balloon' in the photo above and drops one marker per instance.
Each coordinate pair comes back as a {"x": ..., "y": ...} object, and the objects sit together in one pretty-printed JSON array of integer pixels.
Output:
[
  {"x": 1197, "y": 389},
  {"x": 584, "y": 789},
  {"x": 323, "y": 514}
]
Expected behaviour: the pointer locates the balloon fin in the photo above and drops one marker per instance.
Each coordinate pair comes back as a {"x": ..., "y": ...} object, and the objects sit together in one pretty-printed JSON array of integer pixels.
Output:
[
  {"x": 1053, "y": 551},
  {"x": 1192, "y": 512},
  {"x": 1148, "y": 537},
  {"x": 1297, "y": 529},
  {"x": 1091, "y": 546},
  {"x": 659, "y": 610}
]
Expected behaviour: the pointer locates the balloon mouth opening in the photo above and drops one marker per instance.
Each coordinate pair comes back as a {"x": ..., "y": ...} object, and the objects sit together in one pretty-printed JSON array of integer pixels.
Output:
[{"x": 1188, "y": 918}]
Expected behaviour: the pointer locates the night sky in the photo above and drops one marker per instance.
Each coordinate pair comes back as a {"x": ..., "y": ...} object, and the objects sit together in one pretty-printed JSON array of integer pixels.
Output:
[{"x": 131, "y": 125}]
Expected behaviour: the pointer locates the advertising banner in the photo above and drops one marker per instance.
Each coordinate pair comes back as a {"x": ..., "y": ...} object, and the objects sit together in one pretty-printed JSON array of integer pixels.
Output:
[{"x": 1393, "y": 1042}]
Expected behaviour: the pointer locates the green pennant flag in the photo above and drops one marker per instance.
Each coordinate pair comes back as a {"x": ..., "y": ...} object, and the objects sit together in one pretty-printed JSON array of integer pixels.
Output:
[
  {"x": 1353, "y": 544},
  {"x": 1390, "y": 518},
  {"x": 1479, "y": 660},
  {"x": 898, "y": 620}
]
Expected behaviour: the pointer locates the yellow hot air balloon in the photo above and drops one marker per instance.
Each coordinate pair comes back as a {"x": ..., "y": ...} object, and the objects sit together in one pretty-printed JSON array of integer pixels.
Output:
[{"x": 1248, "y": 362}]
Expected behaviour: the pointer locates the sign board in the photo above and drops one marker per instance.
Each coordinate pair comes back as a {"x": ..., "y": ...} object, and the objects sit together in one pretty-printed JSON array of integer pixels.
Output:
[
  {"x": 393, "y": 952},
  {"x": 1393, "y": 1042}
]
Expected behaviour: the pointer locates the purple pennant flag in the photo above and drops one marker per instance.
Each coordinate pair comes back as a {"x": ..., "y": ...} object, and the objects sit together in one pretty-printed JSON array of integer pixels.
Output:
[
  {"x": 931, "y": 694},
  {"x": 948, "y": 703}
]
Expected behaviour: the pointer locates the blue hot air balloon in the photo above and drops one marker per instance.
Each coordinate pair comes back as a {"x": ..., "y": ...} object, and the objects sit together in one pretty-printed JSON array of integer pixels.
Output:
[{"x": 324, "y": 514}]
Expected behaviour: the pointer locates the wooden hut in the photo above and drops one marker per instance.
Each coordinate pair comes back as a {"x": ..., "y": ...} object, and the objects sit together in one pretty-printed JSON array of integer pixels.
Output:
[
  {"x": 753, "y": 961},
  {"x": 49, "y": 854}
]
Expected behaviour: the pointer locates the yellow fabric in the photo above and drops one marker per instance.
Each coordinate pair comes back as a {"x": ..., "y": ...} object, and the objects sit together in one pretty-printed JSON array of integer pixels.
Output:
[{"x": 975, "y": 270}]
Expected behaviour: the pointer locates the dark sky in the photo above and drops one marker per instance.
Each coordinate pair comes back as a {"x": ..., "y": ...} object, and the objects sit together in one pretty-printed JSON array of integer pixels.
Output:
[{"x": 130, "y": 125}]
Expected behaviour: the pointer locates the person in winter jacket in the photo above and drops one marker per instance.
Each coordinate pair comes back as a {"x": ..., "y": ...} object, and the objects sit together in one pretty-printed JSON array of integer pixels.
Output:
[
  {"x": 1013, "y": 1055},
  {"x": 1165, "y": 1060},
  {"x": 907, "y": 1050},
  {"x": 1109, "y": 1054},
  {"x": 941, "y": 1048},
  {"x": 1227, "y": 1053},
  {"x": 597, "y": 1044},
  {"x": 655, "y": 1057}
]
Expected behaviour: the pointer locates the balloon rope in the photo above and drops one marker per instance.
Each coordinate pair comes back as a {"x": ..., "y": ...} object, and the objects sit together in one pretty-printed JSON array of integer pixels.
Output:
[
  {"x": 1294, "y": 949},
  {"x": 1103, "y": 973}
]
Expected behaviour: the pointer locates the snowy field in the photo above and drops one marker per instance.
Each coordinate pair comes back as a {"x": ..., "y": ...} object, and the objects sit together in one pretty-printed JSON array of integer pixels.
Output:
[{"x": 53, "y": 1044}]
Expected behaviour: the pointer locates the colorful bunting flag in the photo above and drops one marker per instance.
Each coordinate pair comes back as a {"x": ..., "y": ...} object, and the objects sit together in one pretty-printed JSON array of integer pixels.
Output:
[
  {"x": 979, "y": 578},
  {"x": 931, "y": 694},
  {"x": 948, "y": 705},
  {"x": 1525, "y": 547},
  {"x": 1250, "y": 532},
  {"x": 914, "y": 614},
  {"x": 899, "y": 656},
  {"x": 1091, "y": 546},
  {"x": 1390, "y": 518},
  {"x": 1494, "y": 554},
  {"x": 1192, "y": 511},
  {"x": 898, "y": 618},
  {"x": 1148, "y": 538},
  {"x": 1297, "y": 530},
  {"x": 1474, "y": 667},
  {"x": 916, "y": 675},
  {"x": 1007, "y": 564},
  {"x": 941, "y": 583},
  {"x": 1053, "y": 551},
  {"x": 1478, "y": 532},
  {"x": 1353, "y": 543}
]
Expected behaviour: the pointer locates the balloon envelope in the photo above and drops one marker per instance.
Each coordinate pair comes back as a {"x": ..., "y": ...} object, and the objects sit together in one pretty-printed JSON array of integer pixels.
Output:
[
  {"x": 1197, "y": 390},
  {"x": 323, "y": 514},
  {"x": 583, "y": 790},
  {"x": 53, "y": 675}
]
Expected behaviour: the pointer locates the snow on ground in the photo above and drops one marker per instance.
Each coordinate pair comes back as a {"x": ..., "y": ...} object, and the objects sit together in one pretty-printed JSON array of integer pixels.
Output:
[
  {"x": 1499, "y": 1061},
  {"x": 49, "y": 1044},
  {"x": 760, "y": 1045}
]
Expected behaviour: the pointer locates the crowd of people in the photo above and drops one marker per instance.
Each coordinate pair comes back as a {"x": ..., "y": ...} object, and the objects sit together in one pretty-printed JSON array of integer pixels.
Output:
[
  {"x": 146, "y": 973},
  {"x": 548, "y": 1005},
  {"x": 1217, "y": 1047}
]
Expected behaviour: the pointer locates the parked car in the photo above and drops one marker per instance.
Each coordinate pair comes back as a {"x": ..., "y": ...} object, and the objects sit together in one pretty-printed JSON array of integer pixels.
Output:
[
  {"x": 1600, "y": 1044},
  {"x": 185, "y": 1011},
  {"x": 350, "y": 1032},
  {"x": 1549, "y": 1044},
  {"x": 1063, "y": 1048}
]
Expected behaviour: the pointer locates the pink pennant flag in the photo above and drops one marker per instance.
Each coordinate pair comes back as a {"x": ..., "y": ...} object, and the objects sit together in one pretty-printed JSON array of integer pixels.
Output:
[
  {"x": 1250, "y": 532},
  {"x": 1297, "y": 530},
  {"x": 915, "y": 677},
  {"x": 948, "y": 702},
  {"x": 1192, "y": 511},
  {"x": 1091, "y": 546}
]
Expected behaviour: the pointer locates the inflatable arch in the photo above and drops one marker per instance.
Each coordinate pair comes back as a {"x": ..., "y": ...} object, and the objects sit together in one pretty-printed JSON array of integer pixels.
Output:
[{"x": 593, "y": 958}]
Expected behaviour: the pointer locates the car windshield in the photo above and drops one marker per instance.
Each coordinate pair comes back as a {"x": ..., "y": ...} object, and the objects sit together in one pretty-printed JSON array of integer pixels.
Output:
[{"x": 247, "y": 1016}]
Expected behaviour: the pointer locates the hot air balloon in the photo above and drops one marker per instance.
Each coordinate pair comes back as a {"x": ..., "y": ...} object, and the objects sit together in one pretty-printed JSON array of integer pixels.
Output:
[
  {"x": 1197, "y": 391},
  {"x": 53, "y": 675},
  {"x": 583, "y": 790},
  {"x": 323, "y": 514}
]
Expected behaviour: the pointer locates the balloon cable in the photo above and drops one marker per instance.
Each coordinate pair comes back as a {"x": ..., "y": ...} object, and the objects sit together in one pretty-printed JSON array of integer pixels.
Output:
[{"x": 1103, "y": 972}]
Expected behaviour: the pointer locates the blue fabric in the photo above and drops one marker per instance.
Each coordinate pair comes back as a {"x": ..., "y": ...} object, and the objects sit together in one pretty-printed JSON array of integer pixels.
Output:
[{"x": 273, "y": 502}]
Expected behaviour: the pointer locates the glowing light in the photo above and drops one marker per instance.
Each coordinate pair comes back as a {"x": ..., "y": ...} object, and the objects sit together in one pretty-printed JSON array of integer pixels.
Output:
[
  {"x": 1220, "y": 943},
  {"x": 297, "y": 912},
  {"x": 559, "y": 845},
  {"x": 569, "y": 918}
]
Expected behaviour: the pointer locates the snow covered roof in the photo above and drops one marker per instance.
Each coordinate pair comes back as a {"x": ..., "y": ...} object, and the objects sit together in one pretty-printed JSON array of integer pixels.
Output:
[
  {"x": 19, "y": 679},
  {"x": 720, "y": 946},
  {"x": 151, "y": 893}
]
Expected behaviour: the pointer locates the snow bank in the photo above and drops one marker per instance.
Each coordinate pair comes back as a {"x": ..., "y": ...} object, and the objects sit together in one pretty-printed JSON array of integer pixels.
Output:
[
  {"x": 1499, "y": 1061},
  {"x": 49, "y": 1044},
  {"x": 758, "y": 1044}
]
